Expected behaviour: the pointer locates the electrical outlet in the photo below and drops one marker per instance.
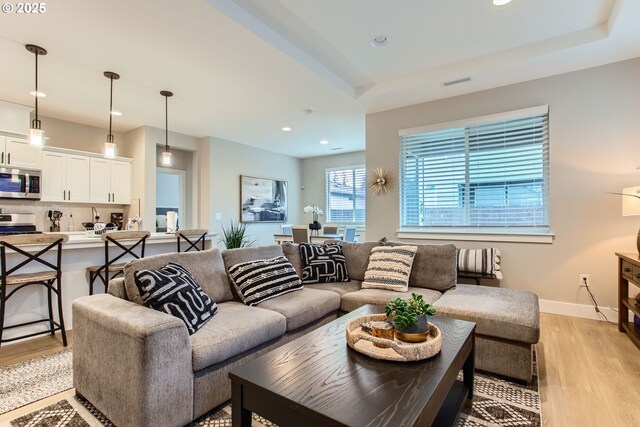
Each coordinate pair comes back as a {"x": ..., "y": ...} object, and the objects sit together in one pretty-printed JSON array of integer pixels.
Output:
[
  {"x": 584, "y": 280},
  {"x": 218, "y": 216}
]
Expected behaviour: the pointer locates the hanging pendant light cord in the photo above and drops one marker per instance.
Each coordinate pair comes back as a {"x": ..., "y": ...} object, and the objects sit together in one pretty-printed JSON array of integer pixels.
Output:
[
  {"x": 166, "y": 123},
  {"x": 110, "y": 137},
  {"x": 36, "y": 122}
]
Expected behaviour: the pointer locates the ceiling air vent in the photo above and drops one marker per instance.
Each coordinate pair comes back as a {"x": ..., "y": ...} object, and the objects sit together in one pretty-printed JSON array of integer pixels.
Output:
[
  {"x": 336, "y": 148},
  {"x": 455, "y": 82}
]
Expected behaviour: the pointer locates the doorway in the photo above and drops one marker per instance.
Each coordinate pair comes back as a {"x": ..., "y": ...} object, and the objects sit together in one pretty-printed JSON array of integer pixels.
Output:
[{"x": 170, "y": 196}]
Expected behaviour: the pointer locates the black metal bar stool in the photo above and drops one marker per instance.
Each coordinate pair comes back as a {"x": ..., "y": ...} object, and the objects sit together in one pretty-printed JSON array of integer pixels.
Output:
[
  {"x": 50, "y": 278},
  {"x": 192, "y": 238},
  {"x": 134, "y": 239}
]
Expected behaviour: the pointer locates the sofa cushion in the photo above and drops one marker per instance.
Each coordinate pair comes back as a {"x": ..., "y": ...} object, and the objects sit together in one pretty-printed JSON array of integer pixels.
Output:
[
  {"x": 173, "y": 290},
  {"x": 340, "y": 288},
  {"x": 354, "y": 300},
  {"x": 303, "y": 307},
  {"x": 234, "y": 329},
  {"x": 484, "y": 261},
  {"x": 292, "y": 252},
  {"x": 205, "y": 266},
  {"x": 389, "y": 268},
  {"x": 357, "y": 256},
  {"x": 236, "y": 256},
  {"x": 323, "y": 263},
  {"x": 263, "y": 279},
  {"x": 498, "y": 312},
  {"x": 434, "y": 266}
]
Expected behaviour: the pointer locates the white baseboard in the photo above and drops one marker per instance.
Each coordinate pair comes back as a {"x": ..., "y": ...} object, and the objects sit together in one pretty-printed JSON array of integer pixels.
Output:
[{"x": 579, "y": 310}]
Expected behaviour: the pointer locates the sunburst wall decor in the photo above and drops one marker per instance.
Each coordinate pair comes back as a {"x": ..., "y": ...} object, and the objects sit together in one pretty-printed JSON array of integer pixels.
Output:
[{"x": 379, "y": 181}]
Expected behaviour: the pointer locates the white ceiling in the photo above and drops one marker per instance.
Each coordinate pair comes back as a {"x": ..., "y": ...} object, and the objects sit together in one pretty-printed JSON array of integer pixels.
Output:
[{"x": 242, "y": 69}]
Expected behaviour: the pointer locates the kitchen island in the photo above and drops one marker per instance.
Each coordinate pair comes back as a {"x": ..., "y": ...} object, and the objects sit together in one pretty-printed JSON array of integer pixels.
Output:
[{"x": 78, "y": 253}]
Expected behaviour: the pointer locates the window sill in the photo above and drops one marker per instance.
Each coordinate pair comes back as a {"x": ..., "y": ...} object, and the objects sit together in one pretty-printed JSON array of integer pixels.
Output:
[{"x": 474, "y": 235}]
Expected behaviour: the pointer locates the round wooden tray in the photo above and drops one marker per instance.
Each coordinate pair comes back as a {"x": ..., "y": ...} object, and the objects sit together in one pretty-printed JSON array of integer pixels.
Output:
[{"x": 399, "y": 351}]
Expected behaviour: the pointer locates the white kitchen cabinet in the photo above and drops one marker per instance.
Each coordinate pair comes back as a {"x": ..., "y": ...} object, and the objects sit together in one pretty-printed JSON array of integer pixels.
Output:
[
  {"x": 65, "y": 177},
  {"x": 18, "y": 153},
  {"x": 110, "y": 181},
  {"x": 120, "y": 182}
]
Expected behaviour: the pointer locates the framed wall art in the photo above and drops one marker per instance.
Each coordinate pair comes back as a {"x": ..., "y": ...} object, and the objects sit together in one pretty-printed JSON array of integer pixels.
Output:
[{"x": 262, "y": 199}]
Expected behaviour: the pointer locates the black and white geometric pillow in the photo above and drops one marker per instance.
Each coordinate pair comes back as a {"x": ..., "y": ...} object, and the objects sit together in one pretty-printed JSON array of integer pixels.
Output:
[
  {"x": 260, "y": 280},
  {"x": 323, "y": 263},
  {"x": 173, "y": 290}
]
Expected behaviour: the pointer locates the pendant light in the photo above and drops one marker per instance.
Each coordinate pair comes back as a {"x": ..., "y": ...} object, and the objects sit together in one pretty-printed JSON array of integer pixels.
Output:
[
  {"x": 166, "y": 154},
  {"x": 110, "y": 146},
  {"x": 36, "y": 134}
]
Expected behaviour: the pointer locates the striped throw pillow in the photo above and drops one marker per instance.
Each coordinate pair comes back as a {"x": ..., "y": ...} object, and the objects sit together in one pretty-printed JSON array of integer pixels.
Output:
[
  {"x": 389, "y": 268},
  {"x": 260, "y": 280},
  {"x": 483, "y": 261}
]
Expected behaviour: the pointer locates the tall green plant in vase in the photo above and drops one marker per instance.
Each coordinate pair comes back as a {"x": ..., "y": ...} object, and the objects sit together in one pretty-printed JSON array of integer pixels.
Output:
[{"x": 235, "y": 236}]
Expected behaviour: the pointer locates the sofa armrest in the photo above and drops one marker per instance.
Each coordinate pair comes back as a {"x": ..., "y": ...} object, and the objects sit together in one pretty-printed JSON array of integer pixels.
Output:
[{"x": 133, "y": 363}]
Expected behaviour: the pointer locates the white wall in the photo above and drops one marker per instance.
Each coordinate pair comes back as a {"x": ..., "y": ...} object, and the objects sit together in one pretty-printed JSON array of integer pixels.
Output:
[
  {"x": 594, "y": 150},
  {"x": 229, "y": 161}
]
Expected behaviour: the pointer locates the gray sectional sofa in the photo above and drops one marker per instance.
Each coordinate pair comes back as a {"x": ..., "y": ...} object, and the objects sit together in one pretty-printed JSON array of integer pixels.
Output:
[{"x": 140, "y": 367}]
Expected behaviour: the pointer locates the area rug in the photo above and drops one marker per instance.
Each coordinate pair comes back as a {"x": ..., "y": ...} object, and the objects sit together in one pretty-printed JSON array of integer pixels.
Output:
[
  {"x": 35, "y": 379},
  {"x": 497, "y": 402}
]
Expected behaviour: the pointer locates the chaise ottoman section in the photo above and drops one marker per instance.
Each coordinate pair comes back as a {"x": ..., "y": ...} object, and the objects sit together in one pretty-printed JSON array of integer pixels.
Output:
[
  {"x": 498, "y": 312},
  {"x": 303, "y": 307},
  {"x": 507, "y": 325},
  {"x": 354, "y": 300},
  {"x": 234, "y": 329}
]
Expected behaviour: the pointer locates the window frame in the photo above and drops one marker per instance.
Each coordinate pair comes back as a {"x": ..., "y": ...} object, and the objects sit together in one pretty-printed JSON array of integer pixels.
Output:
[
  {"x": 327, "y": 196},
  {"x": 530, "y": 234}
]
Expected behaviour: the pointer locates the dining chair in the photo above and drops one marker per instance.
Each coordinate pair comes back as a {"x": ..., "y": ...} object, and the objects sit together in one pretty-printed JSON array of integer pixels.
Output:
[
  {"x": 330, "y": 229},
  {"x": 300, "y": 234},
  {"x": 192, "y": 238},
  {"x": 134, "y": 239},
  {"x": 350, "y": 233},
  {"x": 51, "y": 278}
]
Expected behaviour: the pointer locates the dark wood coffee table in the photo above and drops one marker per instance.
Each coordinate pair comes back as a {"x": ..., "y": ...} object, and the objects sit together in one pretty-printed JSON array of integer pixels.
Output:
[{"x": 318, "y": 380}]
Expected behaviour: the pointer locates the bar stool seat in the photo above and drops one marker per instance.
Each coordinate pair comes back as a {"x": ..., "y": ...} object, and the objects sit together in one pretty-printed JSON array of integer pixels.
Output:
[
  {"x": 51, "y": 279},
  {"x": 41, "y": 276},
  {"x": 124, "y": 243},
  {"x": 112, "y": 267}
]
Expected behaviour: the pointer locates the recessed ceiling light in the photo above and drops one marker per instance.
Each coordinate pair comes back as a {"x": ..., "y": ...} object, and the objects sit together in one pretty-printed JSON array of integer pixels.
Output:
[
  {"x": 324, "y": 142},
  {"x": 286, "y": 129},
  {"x": 116, "y": 113},
  {"x": 501, "y": 2},
  {"x": 381, "y": 40},
  {"x": 38, "y": 94}
]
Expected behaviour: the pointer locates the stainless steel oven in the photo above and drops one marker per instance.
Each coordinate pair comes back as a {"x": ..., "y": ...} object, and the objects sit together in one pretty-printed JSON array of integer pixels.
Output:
[{"x": 20, "y": 183}]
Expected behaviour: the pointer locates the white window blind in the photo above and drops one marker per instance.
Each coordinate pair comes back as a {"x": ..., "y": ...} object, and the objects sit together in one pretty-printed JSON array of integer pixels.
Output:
[
  {"x": 487, "y": 172},
  {"x": 346, "y": 190}
]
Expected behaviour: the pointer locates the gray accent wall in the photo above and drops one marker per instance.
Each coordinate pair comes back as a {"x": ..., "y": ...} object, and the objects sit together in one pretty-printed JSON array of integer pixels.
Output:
[{"x": 594, "y": 150}]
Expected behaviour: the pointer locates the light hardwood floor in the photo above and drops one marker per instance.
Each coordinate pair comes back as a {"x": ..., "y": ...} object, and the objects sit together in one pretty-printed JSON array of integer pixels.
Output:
[{"x": 589, "y": 373}]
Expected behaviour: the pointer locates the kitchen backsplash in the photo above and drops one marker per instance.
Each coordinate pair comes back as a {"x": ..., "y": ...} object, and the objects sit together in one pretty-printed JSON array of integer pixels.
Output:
[{"x": 81, "y": 212}]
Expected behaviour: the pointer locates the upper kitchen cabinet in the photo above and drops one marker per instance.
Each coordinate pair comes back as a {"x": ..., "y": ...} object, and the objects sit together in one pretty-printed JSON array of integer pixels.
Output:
[
  {"x": 18, "y": 153},
  {"x": 110, "y": 181},
  {"x": 65, "y": 177}
]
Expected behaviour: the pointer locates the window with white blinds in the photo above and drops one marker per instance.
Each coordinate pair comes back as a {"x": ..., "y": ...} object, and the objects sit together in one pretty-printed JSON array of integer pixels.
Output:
[
  {"x": 488, "y": 172},
  {"x": 346, "y": 190}
]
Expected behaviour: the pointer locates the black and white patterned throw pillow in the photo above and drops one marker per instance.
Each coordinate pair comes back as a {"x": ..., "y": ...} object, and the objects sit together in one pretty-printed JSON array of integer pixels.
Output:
[
  {"x": 263, "y": 279},
  {"x": 173, "y": 290},
  {"x": 323, "y": 263}
]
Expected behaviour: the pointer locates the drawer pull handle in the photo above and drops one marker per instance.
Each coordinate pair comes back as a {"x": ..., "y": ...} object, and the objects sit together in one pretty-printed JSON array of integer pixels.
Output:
[{"x": 627, "y": 269}]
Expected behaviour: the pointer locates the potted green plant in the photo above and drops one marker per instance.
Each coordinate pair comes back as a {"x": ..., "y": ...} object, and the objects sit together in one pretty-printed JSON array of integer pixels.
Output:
[
  {"x": 409, "y": 317},
  {"x": 235, "y": 236}
]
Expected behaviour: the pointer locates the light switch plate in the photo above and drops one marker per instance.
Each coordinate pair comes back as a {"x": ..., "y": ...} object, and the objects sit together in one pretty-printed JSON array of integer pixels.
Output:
[{"x": 218, "y": 216}]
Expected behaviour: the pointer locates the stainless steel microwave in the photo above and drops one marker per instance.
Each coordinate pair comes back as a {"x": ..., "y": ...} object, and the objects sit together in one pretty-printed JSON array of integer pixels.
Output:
[{"x": 20, "y": 183}]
